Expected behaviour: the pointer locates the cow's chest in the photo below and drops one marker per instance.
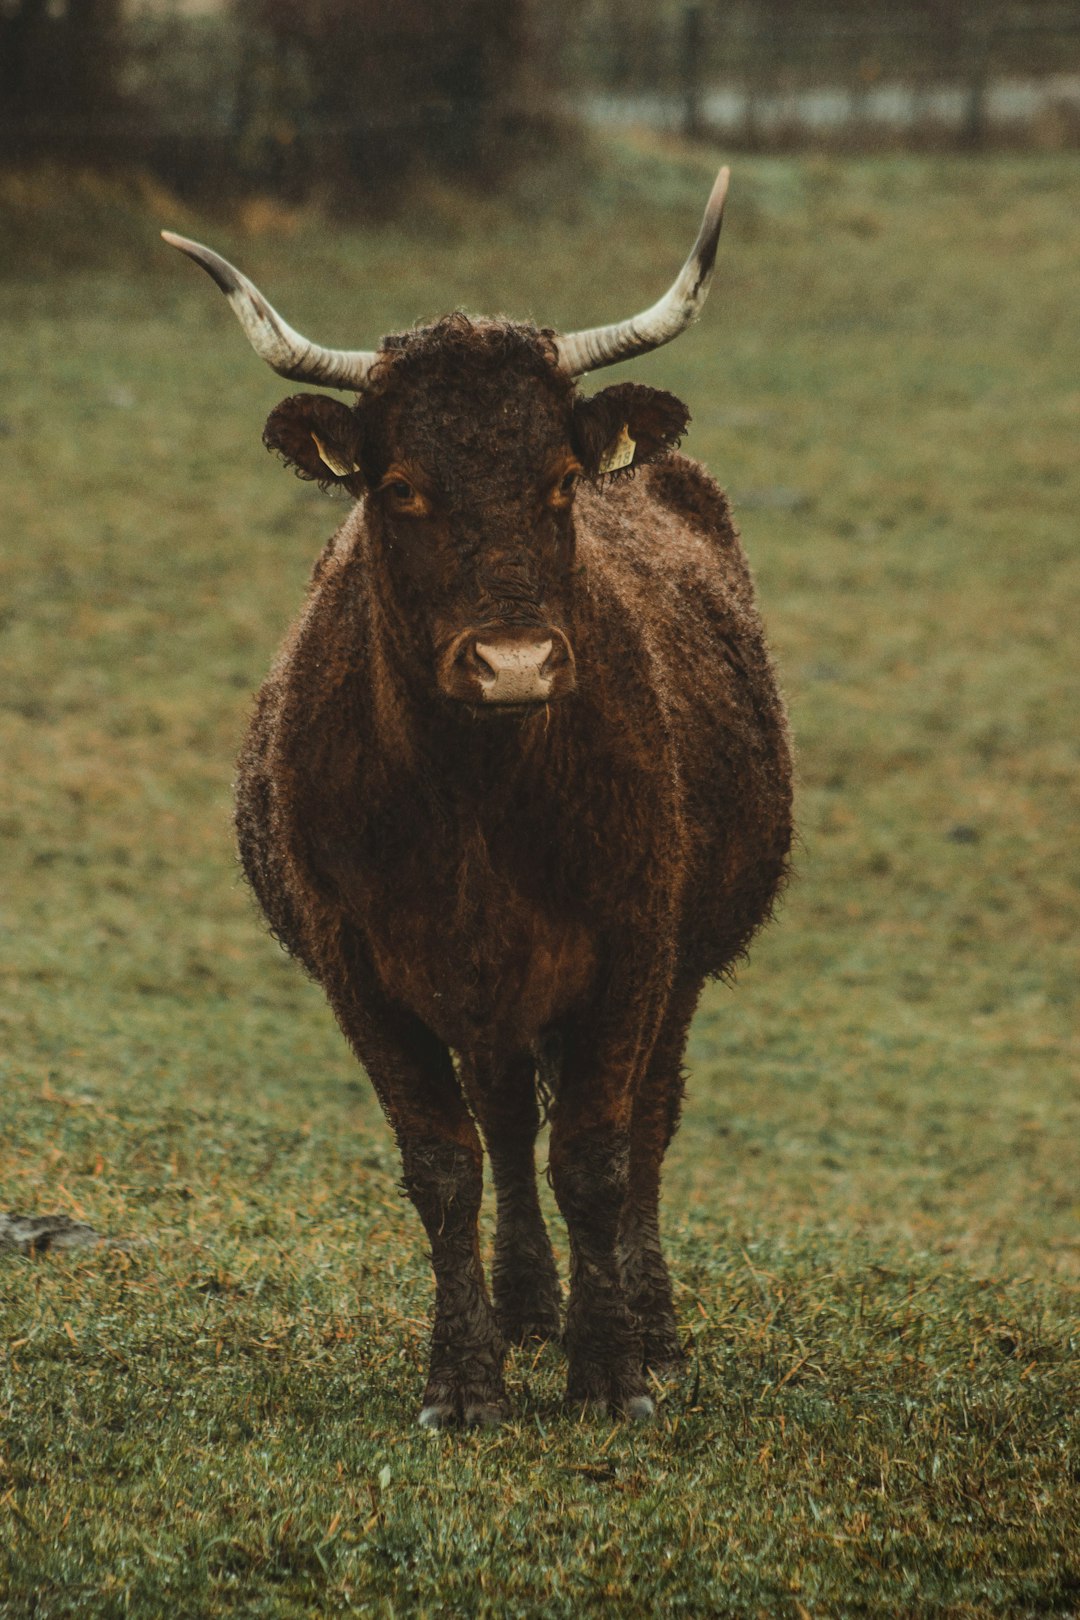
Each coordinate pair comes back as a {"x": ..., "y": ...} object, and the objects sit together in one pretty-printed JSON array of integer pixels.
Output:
[{"x": 474, "y": 945}]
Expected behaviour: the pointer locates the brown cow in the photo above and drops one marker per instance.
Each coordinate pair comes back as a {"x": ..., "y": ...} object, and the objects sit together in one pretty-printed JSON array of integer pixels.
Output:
[{"x": 517, "y": 784}]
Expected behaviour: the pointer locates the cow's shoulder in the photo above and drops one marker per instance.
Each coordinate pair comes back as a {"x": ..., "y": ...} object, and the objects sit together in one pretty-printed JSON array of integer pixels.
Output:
[
  {"x": 672, "y": 495},
  {"x": 687, "y": 490}
]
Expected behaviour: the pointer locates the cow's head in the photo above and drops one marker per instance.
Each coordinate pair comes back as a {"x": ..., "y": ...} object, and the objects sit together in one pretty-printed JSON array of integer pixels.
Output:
[{"x": 467, "y": 442}]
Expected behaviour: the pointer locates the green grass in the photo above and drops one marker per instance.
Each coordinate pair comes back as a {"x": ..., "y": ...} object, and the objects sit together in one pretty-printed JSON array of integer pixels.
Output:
[{"x": 872, "y": 1207}]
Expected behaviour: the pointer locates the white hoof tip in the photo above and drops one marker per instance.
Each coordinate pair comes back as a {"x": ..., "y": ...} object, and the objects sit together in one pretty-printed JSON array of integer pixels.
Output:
[
  {"x": 640, "y": 1409},
  {"x": 436, "y": 1417}
]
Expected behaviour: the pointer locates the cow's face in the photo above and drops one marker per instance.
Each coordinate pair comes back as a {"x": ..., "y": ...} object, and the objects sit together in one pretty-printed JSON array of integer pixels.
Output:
[
  {"x": 467, "y": 444},
  {"x": 468, "y": 450}
]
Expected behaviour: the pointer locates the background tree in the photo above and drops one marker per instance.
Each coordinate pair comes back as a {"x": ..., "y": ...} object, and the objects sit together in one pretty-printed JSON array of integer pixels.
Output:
[
  {"x": 355, "y": 96},
  {"x": 59, "y": 77}
]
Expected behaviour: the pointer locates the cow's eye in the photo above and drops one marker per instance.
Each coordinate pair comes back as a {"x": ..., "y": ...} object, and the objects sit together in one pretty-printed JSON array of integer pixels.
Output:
[
  {"x": 403, "y": 495},
  {"x": 562, "y": 491}
]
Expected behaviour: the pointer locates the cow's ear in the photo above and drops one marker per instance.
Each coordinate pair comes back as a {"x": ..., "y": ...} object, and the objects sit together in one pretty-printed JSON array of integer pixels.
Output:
[
  {"x": 626, "y": 426},
  {"x": 320, "y": 438}
]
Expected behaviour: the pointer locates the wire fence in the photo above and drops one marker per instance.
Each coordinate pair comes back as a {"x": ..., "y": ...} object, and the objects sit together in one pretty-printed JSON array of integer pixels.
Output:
[
  {"x": 777, "y": 73},
  {"x": 264, "y": 94}
]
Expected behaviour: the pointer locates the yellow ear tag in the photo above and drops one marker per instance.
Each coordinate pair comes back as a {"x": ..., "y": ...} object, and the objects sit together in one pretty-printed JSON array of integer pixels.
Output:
[
  {"x": 335, "y": 464},
  {"x": 620, "y": 454}
]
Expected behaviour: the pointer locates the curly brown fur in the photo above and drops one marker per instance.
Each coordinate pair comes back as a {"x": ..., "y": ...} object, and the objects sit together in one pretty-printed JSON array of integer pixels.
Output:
[{"x": 555, "y": 879}]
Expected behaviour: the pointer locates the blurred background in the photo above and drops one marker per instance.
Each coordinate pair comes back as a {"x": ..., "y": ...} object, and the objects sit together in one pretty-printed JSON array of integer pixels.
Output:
[{"x": 350, "y": 98}]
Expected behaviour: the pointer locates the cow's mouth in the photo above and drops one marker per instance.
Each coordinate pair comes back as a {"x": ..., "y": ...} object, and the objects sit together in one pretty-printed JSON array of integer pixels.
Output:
[{"x": 518, "y": 711}]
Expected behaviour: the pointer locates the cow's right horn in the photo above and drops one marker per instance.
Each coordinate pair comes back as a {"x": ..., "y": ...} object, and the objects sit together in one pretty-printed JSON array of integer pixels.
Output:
[
  {"x": 274, "y": 339},
  {"x": 598, "y": 346}
]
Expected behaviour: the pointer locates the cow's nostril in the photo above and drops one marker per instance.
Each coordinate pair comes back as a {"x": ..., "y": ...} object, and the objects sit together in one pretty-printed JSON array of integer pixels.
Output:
[
  {"x": 556, "y": 658},
  {"x": 484, "y": 666},
  {"x": 474, "y": 661}
]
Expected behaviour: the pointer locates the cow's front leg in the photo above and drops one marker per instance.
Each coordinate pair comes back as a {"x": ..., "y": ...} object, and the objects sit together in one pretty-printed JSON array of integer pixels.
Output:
[
  {"x": 444, "y": 1179},
  {"x": 442, "y": 1165},
  {"x": 590, "y": 1167},
  {"x": 603, "y": 1341}
]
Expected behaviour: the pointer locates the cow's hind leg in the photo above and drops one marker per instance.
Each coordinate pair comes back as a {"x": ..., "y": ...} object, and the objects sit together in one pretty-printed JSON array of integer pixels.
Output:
[
  {"x": 653, "y": 1123},
  {"x": 442, "y": 1164},
  {"x": 524, "y": 1281}
]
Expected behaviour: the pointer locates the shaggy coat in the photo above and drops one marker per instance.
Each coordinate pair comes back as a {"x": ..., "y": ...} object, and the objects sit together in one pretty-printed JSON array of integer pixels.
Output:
[{"x": 520, "y": 906}]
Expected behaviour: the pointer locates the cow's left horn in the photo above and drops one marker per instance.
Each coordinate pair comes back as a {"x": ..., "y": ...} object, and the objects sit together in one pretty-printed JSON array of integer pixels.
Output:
[
  {"x": 603, "y": 345},
  {"x": 274, "y": 339}
]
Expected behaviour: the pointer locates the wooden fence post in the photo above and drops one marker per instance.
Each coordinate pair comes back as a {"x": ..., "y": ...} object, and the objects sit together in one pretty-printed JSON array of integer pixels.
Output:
[
  {"x": 977, "y": 52},
  {"x": 693, "y": 39}
]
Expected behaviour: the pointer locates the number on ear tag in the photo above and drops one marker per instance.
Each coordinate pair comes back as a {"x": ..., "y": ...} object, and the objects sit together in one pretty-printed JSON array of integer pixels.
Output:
[
  {"x": 620, "y": 453},
  {"x": 335, "y": 463}
]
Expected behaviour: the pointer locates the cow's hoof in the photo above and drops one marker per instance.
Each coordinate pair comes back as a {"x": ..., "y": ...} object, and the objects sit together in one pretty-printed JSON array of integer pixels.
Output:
[
  {"x": 634, "y": 1408},
  {"x": 471, "y": 1415},
  {"x": 619, "y": 1390}
]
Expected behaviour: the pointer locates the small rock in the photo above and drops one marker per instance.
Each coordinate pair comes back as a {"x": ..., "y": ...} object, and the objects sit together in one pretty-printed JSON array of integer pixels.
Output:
[
  {"x": 35, "y": 1234},
  {"x": 963, "y": 834}
]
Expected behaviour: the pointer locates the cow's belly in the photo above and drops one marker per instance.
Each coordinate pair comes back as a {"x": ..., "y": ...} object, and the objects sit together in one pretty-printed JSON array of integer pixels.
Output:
[{"x": 489, "y": 980}]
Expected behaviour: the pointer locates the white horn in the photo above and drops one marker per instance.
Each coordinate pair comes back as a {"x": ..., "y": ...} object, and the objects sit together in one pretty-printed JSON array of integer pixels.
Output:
[
  {"x": 274, "y": 339},
  {"x": 603, "y": 345}
]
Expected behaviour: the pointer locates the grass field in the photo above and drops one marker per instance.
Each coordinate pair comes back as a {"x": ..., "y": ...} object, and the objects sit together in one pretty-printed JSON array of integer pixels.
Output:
[{"x": 873, "y": 1207}]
